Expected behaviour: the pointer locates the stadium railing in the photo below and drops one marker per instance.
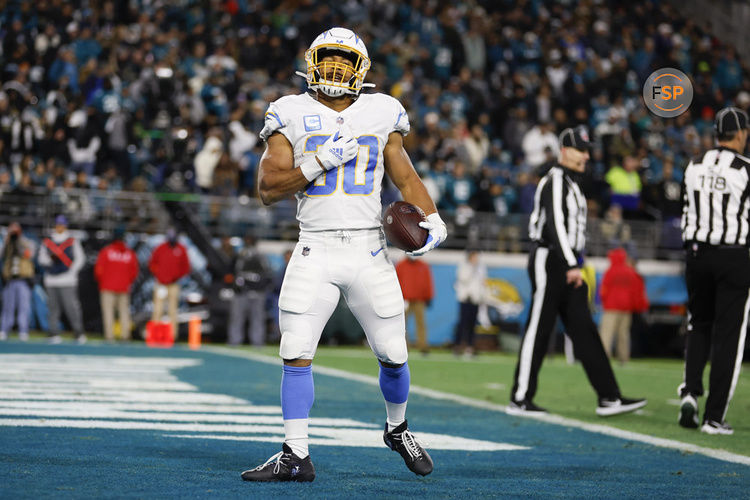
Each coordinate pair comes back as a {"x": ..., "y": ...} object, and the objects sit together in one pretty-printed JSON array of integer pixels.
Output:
[{"x": 94, "y": 210}]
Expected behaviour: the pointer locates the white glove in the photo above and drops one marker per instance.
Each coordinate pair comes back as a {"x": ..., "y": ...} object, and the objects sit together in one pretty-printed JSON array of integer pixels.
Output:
[
  {"x": 337, "y": 150},
  {"x": 437, "y": 234}
]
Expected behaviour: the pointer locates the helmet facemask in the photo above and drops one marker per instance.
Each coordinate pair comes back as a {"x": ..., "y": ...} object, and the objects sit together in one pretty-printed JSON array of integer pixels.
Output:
[{"x": 335, "y": 78}]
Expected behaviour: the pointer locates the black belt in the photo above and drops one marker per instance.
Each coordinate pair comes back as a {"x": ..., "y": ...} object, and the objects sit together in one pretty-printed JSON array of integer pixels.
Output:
[{"x": 700, "y": 245}]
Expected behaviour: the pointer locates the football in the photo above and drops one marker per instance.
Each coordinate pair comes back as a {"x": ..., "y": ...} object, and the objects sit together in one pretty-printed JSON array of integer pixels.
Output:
[{"x": 401, "y": 225}]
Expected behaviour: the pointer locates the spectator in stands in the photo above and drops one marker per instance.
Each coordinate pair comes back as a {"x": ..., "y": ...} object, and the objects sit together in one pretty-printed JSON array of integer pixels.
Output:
[
  {"x": 667, "y": 192},
  {"x": 540, "y": 144},
  {"x": 415, "y": 278},
  {"x": 625, "y": 184},
  {"x": 623, "y": 293},
  {"x": 475, "y": 148},
  {"x": 218, "y": 59},
  {"x": 666, "y": 197},
  {"x": 116, "y": 269},
  {"x": 459, "y": 188},
  {"x": 84, "y": 145},
  {"x": 61, "y": 256},
  {"x": 253, "y": 279},
  {"x": 470, "y": 290},
  {"x": 615, "y": 230},
  {"x": 18, "y": 275},
  {"x": 526, "y": 183},
  {"x": 206, "y": 162},
  {"x": 169, "y": 263}
]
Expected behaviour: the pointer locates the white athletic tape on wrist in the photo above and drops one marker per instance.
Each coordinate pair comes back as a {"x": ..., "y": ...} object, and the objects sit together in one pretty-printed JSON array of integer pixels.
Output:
[{"x": 311, "y": 169}]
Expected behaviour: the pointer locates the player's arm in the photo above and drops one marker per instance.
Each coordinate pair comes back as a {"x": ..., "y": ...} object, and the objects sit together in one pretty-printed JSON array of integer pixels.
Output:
[
  {"x": 277, "y": 176},
  {"x": 402, "y": 173},
  {"x": 399, "y": 168}
]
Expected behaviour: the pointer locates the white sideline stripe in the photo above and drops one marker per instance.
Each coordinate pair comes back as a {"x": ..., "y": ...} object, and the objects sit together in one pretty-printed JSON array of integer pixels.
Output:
[
  {"x": 124, "y": 371},
  {"x": 476, "y": 403},
  {"x": 113, "y": 398},
  {"x": 8, "y": 375},
  {"x": 104, "y": 384},
  {"x": 173, "y": 417},
  {"x": 334, "y": 436},
  {"x": 105, "y": 395},
  {"x": 125, "y": 406},
  {"x": 62, "y": 360}
]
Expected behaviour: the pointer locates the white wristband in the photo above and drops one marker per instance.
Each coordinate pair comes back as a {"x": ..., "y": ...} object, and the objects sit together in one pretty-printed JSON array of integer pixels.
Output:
[{"x": 311, "y": 168}]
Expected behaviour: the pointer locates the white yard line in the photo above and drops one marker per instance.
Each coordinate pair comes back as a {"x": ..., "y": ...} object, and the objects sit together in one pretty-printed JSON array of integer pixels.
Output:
[{"x": 549, "y": 418}]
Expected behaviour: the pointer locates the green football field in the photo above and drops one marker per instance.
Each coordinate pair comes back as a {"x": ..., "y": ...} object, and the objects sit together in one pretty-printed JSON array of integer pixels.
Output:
[{"x": 563, "y": 389}]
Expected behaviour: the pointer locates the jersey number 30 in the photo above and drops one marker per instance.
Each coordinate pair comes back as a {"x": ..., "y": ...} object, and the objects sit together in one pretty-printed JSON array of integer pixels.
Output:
[{"x": 329, "y": 181}]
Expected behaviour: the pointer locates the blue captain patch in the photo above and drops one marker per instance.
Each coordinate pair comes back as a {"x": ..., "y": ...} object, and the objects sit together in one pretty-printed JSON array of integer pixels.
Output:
[{"x": 312, "y": 122}]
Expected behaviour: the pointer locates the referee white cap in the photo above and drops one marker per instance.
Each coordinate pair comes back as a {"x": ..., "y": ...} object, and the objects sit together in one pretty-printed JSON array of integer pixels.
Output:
[{"x": 729, "y": 120}]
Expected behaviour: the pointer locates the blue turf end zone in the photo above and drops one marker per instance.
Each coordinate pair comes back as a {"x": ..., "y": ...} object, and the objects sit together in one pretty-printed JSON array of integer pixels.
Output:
[{"x": 170, "y": 430}]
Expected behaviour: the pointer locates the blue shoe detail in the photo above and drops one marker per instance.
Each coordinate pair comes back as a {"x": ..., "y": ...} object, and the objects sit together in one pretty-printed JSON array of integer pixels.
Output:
[{"x": 376, "y": 251}]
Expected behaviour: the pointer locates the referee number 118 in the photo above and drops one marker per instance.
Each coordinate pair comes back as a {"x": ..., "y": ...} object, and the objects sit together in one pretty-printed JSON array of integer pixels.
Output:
[{"x": 718, "y": 182}]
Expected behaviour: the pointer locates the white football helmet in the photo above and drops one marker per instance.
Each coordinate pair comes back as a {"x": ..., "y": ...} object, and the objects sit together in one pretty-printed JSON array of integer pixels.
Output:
[{"x": 337, "y": 78}]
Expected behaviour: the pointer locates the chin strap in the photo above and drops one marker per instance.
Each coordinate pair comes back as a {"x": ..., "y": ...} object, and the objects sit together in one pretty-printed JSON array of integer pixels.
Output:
[{"x": 299, "y": 73}]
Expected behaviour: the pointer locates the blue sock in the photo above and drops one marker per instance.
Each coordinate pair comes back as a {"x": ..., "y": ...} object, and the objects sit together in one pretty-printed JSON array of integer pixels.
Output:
[
  {"x": 394, "y": 383},
  {"x": 297, "y": 392}
]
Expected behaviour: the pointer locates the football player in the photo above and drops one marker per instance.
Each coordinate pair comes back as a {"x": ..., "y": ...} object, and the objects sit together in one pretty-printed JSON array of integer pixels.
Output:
[{"x": 330, "y": 148}]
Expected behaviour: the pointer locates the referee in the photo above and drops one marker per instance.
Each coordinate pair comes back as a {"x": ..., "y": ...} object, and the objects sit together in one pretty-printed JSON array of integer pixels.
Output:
[
  {"x": 715, "y": 226},
  {"x": 557, "y": 227}
]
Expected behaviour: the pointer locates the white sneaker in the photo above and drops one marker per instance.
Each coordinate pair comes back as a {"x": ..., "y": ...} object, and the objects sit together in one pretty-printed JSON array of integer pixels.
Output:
[
  {"x": 3, "y": 336},
  {"x": 81, "y": 339},
  {"x": 54, "y": 339},
  {"x": 23, "y": 336},
  {"x": 713, "y": 427},
  {"x": 609, "y": 407}
]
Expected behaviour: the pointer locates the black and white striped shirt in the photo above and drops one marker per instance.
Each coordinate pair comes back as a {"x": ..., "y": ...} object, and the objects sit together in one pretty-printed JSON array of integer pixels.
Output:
[
  {"x": 558, "y": 220},
  {"x": 715, "y": 200}
]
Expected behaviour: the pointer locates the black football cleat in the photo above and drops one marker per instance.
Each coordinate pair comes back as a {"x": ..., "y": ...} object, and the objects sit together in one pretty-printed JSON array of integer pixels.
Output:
[
  {"x": 404, "y": 442},
  {"x": 524, "y": 408},
  {"x": 608, "y": 407},
  {"x": 287, "y": 467}
]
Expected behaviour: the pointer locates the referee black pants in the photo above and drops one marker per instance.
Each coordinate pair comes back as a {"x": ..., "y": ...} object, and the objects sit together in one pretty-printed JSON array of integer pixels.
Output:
[
  {"x": 718, "y": 283},
  {"x": 552, "y": 296}
]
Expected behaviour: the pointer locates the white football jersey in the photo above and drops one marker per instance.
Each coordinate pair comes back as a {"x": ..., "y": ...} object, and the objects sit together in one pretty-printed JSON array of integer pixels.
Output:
[{"x": 347, "y": 197}]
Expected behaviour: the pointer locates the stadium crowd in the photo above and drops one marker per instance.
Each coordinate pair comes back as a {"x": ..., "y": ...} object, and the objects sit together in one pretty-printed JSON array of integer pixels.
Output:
[{"x": 154, "y": 95}]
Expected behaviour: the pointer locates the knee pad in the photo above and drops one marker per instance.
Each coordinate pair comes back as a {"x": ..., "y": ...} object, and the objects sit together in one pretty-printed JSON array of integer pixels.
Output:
[
  {"x": 296, "y": 337},
  {"x": 389, "y": 346}
]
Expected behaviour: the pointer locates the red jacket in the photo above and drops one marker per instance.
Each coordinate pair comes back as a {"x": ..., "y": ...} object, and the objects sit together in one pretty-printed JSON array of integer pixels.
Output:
[
  {"x": 622, "y": 288},
  {"x": 416, "y": 280},
  {"x": 169, "y": 263},
  {"x": 116, "y": 267}
]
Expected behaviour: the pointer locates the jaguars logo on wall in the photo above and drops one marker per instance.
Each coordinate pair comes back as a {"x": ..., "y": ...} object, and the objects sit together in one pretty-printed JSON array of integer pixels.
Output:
[{"x": 503, "y": 296}]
